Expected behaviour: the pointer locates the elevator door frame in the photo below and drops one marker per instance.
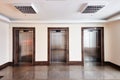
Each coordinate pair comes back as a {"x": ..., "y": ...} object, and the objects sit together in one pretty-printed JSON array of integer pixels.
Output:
[
  {"x": 15, "y": 48},
  {"x": 102, "y": 42},
  {"x": 67, "y": 42}
]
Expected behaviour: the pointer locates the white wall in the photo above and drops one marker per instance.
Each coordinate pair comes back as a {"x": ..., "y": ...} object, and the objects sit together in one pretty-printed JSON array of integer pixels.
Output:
[
  {"x": 114, "y": 42},
  {"x": 111, "y": 40},
  {"x": 4, "y": 42},
  {"x": 42, "y": 39}
]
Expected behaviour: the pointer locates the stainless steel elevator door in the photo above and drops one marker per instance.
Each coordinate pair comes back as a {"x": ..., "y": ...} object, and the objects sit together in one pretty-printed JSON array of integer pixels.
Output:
[
  {"x": 92, "y": 45},
  {"x": 25, "y": 46},
  {"x": 57, "y": 46}
]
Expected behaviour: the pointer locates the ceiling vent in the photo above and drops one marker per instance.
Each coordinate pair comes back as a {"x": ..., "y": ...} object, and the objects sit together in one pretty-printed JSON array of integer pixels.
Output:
[
  {"x": 92, "y": 8},
  {"x": 26, "y": 8}
]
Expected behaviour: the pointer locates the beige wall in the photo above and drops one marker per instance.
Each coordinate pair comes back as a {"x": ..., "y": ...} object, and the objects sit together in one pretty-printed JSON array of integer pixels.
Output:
[
  {"x": 42, "y": 39},
  {"x": 111, "y": 40},
  {"x": 114, "y": 42},
  {"x": 4, "y": 42}
]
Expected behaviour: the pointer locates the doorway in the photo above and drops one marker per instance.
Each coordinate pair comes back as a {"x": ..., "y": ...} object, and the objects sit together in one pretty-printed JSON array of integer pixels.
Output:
[
  {"x": 23, "y": 46},
  {"x": 93, "y": 46},
  {"x": 58, "y": 45}
]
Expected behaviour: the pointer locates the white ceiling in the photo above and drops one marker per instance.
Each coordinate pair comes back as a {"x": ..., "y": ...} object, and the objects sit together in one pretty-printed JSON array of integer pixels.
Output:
[{"x": 58, "y": 10}]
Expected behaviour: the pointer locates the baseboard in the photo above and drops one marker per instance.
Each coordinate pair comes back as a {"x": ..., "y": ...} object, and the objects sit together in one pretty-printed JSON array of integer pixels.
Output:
[
  {"x": 112, "y": 65},
  {"x": 74, "y": 63},
  {"x": 5, "y": 65},
  {"x": 41, "y": 63}
]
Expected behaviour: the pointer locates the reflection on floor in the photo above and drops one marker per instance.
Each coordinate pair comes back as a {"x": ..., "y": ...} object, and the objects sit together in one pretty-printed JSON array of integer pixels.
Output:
[
  {"x": 90, "y": 64},
  {"x": 60, "y": 72}
]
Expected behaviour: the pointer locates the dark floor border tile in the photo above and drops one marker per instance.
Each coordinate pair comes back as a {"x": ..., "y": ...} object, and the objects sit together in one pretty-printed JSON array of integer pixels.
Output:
[
  {"x": 112, "y": 65},
  {"x": 41, "y": 62},
  {"x": 74, "y": 63}
]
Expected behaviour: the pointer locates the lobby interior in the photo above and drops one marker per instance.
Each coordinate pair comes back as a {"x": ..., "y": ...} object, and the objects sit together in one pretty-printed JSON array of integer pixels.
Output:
[{"x": 59, "y": 40}]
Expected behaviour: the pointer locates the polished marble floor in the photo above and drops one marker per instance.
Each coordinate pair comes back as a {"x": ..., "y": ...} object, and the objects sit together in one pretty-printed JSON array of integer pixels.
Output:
[{"x": 60, "y": 72}]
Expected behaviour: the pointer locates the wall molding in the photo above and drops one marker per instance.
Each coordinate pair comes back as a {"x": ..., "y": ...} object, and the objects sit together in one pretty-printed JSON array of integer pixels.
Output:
[
  {"x": 5, "y": 65},
  {"x": 41, "y": 62},
  {"x": 58, "y": 21},
  {"x": 74, "y": 63},
  {"x": 5, "y": 19},
  {"x": 107, "y": 63}
]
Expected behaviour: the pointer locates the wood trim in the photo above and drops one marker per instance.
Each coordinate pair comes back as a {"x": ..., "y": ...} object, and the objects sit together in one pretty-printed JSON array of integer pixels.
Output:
[
  {"x": 102, "y": 45},
  {"x": 41, "y": 63},
  {"x": 112, "y": 65},
  {"x": 14, "y": 39},
  {"x": 102, "y": 42},
  {"x": 5, "y": 65},
  {"x": 67, "y": 44},
  {"x": 75, "y": 63}
]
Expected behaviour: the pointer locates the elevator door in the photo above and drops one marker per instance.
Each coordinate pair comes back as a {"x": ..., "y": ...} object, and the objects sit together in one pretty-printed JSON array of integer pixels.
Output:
[
  {"x": 23, "y": 47},
  {"x": 57, "y": 46},
  {"x": 92, "y": 46}
]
